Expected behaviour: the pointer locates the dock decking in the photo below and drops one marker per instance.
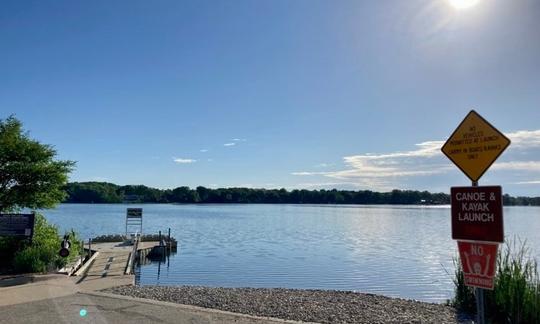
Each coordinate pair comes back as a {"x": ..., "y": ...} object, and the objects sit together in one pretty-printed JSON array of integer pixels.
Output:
[{"x": 109, "y": 266}]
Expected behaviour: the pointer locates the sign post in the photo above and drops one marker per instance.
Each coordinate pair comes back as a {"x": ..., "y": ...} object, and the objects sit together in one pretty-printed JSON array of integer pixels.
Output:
[{"x": 477, "y": 214}]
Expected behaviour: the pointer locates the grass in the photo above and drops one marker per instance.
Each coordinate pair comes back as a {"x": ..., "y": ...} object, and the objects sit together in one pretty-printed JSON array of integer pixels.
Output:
[{"x": 516, "y": 295}]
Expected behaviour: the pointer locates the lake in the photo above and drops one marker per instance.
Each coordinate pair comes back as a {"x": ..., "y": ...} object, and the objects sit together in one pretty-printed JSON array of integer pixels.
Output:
[{"x": 398, "y": 251}]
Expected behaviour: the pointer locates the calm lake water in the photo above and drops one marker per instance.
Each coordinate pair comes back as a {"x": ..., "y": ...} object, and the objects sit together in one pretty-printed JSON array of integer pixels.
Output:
[{"x": 398, "y": 251}]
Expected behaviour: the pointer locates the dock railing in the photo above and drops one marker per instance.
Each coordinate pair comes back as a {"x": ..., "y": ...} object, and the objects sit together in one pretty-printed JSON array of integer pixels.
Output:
[{"x": 131, "y": 261}]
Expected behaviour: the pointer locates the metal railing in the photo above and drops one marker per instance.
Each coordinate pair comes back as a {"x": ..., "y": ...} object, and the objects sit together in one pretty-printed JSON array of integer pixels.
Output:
[{"x": 131, "y": 261}]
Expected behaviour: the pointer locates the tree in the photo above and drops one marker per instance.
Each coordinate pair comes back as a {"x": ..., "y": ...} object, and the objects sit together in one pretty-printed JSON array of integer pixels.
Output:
[{"x": 30, "y": 177}]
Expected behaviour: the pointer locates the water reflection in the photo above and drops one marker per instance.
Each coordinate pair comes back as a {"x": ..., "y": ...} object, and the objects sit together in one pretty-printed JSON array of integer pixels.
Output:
[{"x": 393, "y": 250}]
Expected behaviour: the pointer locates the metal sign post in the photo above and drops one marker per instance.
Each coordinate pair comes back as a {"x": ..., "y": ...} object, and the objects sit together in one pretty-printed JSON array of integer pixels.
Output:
[
  {"x": 479, "y": 292},
  {"x": 477, "y": 214}
]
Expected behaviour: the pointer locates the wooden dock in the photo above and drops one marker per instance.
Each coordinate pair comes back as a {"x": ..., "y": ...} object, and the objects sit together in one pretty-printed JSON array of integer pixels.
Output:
[{"x": 109, "y": 264}]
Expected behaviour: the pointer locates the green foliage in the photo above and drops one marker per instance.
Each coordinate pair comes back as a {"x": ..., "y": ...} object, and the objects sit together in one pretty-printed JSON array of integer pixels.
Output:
[
  {"x": 76, "y": 248},
  {"x": 516, "y": 295},
  {"x": 520, "y": 201},
  {"x": 464, "y": 298},
  {"x": 29, "y": 175},
  {"x": 102, "y": 192},
  {"x": 42, "y": 254},
  {"x": 93, "y": 192}
]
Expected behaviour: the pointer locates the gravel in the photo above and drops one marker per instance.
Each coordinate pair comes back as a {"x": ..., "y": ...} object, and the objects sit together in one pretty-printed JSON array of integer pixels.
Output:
[{"x": 321, "y": 306}]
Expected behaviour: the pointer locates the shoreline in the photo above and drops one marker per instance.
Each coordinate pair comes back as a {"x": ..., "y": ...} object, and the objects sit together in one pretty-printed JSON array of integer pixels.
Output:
[{"x": 320, "y": 306}]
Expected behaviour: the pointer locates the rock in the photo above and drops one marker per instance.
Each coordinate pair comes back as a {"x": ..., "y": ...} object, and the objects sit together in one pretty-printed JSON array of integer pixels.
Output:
[{"x": 322, "y": 306}]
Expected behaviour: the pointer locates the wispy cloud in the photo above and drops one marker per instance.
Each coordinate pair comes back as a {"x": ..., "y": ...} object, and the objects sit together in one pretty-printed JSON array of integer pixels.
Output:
[
  {"x": 239, "y": 139},
  {"x": 184, "y": 161},
  {"x": 306, "y": 173},
  {"x": 390, "y": 170},
  {"x": 324, "y": 165},
  {"x": 533, "y": 182},
  {"x": 203, "y": 150},
  {"x": 517, "y": 166},
  {"x": 229, "y": 144},
  {"x": 524, "y": 139}
]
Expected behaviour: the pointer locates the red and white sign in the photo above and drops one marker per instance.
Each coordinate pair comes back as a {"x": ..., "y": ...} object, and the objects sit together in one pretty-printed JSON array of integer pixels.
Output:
[
  {"x": 478, "y": 260},
  {"x": 477, "y": 213}
]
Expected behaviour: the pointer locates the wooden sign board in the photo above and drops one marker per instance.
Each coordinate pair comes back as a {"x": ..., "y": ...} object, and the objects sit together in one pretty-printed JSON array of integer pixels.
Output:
[
  {"x": 17, "y": 225},
  {"x": 477, "y": 213},
  {"x": 475, "y": 145},
  {"x": 134, "y": 213}
]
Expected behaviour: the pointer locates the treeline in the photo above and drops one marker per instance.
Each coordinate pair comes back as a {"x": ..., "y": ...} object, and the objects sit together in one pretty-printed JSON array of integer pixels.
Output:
[
  {"x": 520, "y": 201},
  {"x": 103, "y": 192}
]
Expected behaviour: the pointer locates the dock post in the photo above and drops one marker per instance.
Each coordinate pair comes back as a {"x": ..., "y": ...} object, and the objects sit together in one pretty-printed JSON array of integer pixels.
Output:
[
  {"x": 169, "y": 239},
  {"x": 89, "y": 248}
]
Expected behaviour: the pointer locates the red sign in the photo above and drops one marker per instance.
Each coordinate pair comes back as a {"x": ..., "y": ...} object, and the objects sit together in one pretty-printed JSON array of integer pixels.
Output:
[
  {"x": 477, "y": 213},
  {"x": 478, "y": 260}
]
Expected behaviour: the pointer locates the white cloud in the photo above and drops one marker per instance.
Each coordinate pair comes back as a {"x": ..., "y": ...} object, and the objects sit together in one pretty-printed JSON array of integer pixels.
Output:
[
  {"x": 239, "y": 139},
  {"x": 533, "y": 182},
  {"x": 524, "y": 139},
  {"x": 324, "y": 165},
  {"x": 184, "y": 161},
  {"x": 305, "y": 173},
  {"x": 203, "y": 150},
  {"x": 402, "y": 168},
  {"x": 517, "y": 166},
  {"x": 229, "y": 144}
]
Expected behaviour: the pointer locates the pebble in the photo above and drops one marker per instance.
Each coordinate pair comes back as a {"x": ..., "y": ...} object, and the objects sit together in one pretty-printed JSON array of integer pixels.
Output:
[{"x": 320, "y": 306}]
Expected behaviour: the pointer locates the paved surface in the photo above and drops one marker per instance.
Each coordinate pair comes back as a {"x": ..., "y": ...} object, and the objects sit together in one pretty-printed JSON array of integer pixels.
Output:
[
  {"x": 105, "y": 308},
  {"x": 106, "y": 271},
  {"x": 57, "y": 298},
  {"x": 35, "y": 287}
]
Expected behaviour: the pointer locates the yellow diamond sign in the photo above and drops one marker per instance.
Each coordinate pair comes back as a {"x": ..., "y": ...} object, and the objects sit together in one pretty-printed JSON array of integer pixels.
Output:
[{"x": 475, "y": 145}]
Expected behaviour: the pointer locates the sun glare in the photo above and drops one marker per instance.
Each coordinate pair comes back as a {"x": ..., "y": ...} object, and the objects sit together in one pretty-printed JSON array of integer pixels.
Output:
[{"x": 463, "y": 4}]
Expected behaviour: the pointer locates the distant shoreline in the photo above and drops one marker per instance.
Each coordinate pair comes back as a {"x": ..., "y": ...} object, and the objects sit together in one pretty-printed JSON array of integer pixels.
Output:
[
  {"x": 104, "y": 192},
  {"x": 290, "y": 204}
]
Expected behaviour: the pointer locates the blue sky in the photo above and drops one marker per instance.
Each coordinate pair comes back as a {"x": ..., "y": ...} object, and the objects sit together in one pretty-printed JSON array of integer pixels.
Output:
[{"x": 295, "y": 94}]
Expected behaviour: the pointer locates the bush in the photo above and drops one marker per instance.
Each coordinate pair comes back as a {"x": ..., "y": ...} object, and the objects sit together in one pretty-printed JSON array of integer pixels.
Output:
[
  {"x": 32, "y": 259},
  {"x": 464, "y": 299},
  {"x": 42, "y": 254},
  {"x": 516, "y": 294}
]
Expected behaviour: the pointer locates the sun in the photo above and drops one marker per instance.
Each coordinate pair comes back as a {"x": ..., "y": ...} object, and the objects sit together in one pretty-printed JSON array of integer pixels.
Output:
[{"x": 463, "y": 4}]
